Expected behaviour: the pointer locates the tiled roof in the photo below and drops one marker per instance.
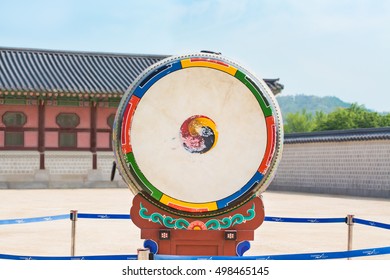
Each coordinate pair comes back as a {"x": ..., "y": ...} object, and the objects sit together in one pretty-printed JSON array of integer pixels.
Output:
[
  {"x": 361, "y": 134},
  {"x": 34, "y": 70},
  {"x": 274, "y": 85},
  {"x": 70, "y": 72}
]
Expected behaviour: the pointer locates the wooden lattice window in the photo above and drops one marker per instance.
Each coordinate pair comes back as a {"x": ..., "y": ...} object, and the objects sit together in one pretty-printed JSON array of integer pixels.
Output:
[
  {"x": 68, "y": 120},
  {"x": 67, "y": 123},
  {"x": 14, "y": 119},
  {"x": 14, "y": 134}
]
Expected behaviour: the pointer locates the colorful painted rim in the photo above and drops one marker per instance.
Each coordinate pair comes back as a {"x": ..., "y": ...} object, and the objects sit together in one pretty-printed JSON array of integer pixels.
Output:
[{"x": 127, "y": 163}]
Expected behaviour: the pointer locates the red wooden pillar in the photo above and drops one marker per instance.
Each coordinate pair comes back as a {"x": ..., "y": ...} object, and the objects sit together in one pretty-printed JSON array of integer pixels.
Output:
[
  {"x": 93, "y": 133},
  {"x": 41, "y": 133}
]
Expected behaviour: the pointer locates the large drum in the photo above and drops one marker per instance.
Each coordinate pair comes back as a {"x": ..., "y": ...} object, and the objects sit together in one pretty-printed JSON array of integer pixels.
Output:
[{"x": 197, "y": 135}]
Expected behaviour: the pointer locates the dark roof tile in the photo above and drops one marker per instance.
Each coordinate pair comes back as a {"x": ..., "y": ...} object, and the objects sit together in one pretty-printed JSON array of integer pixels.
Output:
[
  {"x": 76, "y": 72},
  {"x": 362, "y": 134}
]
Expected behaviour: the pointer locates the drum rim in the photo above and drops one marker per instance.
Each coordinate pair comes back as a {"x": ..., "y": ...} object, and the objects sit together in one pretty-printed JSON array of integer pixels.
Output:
[{"x": 130, "y": 175}]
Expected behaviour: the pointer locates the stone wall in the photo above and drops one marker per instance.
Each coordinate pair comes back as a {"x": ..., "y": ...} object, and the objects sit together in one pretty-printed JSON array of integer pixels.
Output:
[
  {"x": 17, "y": 166},
  {"x": 63, "y": 169},
  {"x": 357, "y": 168}
]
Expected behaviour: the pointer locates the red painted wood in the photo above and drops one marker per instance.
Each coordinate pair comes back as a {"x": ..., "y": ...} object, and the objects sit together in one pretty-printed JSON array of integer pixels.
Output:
[
  {"x": 197, "y": 242},
  {"x": 41, "y": 134},
  {"x": 93, "y": 134}
]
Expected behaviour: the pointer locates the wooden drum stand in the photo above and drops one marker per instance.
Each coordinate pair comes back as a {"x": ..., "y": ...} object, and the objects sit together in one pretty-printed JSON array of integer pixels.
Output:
[{"x": 197, "y": 138}]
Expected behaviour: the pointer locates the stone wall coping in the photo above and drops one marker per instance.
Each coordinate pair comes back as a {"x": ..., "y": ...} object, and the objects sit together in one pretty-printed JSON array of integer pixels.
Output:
[{"x": 362, "y": 134}]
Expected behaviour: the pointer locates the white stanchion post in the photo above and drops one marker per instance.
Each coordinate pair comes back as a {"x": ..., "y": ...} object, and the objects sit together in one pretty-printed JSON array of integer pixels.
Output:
[
  {"x": 350, "y": 232},
  {"x": 73, "y": 217},
  {"x": 143, "y": 254}
]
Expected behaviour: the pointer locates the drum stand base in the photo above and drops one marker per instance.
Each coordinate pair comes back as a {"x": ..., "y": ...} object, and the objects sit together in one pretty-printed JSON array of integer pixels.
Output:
[{"x": 222, "y": 235}]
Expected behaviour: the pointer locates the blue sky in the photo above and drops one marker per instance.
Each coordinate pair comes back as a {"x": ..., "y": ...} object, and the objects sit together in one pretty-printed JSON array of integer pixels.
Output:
[{"x": 330, "y": 47}]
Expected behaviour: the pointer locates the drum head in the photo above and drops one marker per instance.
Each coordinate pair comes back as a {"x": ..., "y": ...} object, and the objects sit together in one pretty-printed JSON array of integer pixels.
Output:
[{"x": 197, "y": 135}]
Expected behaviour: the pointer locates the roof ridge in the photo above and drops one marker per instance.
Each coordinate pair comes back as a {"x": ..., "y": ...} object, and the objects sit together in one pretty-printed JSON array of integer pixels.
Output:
[
  {"x": 375, "y": 133},
  {"x": 74, "y": 52},
  {"x": 345, "y": 132},
  {"x": 30, "y": 69}
]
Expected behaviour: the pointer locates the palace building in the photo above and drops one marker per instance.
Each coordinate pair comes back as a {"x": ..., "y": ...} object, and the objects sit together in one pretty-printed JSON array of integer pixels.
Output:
[{"x": 56, "y": 115}]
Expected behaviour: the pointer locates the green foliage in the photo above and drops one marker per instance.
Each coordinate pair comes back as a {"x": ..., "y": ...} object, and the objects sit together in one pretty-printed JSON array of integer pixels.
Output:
[
  {"x": 385, "y": 120},
  {"x": 299, "y": 122},
  {"x": 355, "y": 116}
]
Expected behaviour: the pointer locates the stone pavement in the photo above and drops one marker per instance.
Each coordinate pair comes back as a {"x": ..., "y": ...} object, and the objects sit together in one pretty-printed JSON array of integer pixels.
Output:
[{"x": 106, "y": 237}]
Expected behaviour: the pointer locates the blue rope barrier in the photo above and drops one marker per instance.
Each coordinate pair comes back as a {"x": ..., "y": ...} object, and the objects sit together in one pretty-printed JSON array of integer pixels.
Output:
[
  {"x": 305, "y": 220},
  {"x": 102, "y": 257},
  {"x": 371, "y": 223},
  {"x": 305, "y": 256},
  {"x": 127, "y": 217},
  {"x": 103, "y": 216},
  {"x": 34, "y": 220}
]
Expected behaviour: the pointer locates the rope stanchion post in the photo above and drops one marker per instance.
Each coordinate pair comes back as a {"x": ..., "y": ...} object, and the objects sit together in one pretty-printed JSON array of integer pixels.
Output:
[
  {"x": 143, "y": 254},
  {"x": 350, "y": 232},
  {"x": 73, "y": 218}
]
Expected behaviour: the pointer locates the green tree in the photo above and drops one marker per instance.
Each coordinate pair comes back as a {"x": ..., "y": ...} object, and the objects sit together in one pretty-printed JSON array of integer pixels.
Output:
[
  {"x": 319, "y": 119},
  {"x": 299, "y": 122},
  {"x": 363, "y": 118},
  {"x": 355, "y": 116},
  {"x": 384, "y": 120},
  {"x": 338, "y": 119}
]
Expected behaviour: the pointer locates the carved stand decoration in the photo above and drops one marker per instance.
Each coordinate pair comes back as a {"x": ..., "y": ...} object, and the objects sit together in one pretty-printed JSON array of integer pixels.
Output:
[{"x": 223, "y": 235}]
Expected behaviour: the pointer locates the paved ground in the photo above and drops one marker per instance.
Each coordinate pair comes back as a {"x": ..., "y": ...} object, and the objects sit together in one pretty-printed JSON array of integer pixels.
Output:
[{"x": 98, "y": 237}]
